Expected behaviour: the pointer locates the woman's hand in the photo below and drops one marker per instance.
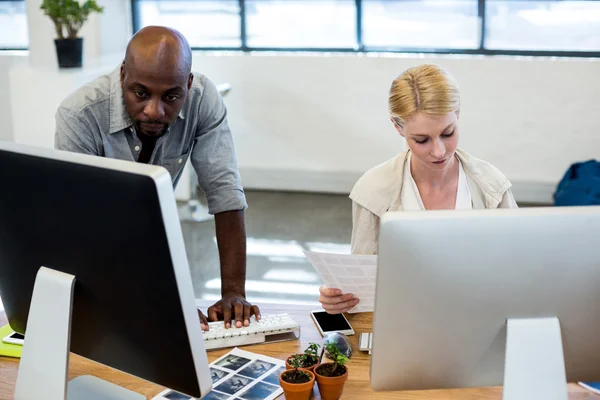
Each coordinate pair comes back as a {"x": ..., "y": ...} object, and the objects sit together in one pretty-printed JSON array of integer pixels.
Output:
[{"x": 334, "y": 302}]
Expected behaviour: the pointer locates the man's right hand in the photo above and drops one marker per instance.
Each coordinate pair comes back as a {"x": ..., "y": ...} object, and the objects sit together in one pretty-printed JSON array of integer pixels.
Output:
[{"x": 334, "y": 302}]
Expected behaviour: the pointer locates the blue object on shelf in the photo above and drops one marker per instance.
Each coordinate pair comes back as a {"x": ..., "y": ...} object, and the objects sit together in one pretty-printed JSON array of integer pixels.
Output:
[{"x": 580, "y": 186}]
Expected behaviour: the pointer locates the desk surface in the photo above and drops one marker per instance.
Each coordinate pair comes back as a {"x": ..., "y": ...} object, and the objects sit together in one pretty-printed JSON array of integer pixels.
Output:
[{"x": 357, "y": 386}]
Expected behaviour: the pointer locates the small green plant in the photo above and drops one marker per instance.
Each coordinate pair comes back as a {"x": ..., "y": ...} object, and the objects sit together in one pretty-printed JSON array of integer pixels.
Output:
[
  {"x": 295, "y": 375},
  {"x": 337, "y": 367},
  {"x": 69, "y": 16},
  {"x": 312, "y": 353},
  {"x": 310, "y": 356}
]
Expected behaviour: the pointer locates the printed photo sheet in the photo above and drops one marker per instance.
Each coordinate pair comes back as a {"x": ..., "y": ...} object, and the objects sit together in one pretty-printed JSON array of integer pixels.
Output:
[{"x": 239, "y": 375}]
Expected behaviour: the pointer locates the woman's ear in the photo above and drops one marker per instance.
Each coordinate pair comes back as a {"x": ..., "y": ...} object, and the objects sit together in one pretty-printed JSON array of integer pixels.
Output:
[
  {"x": 458, "y": 113},
  {"x": 397, "y": 126}
]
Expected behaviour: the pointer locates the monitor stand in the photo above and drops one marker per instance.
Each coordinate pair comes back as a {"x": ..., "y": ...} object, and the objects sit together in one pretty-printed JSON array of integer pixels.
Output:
[
  {"x": 44, "y": 366},
  {"x": 534, "y": 366}
]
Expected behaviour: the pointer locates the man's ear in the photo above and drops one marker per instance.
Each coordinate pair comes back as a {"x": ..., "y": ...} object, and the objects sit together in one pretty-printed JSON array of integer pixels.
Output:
[
  {"x": 190, "y": 80},
  {"x": 397, "y": 126},
  {"x": 122, "y": 75}
]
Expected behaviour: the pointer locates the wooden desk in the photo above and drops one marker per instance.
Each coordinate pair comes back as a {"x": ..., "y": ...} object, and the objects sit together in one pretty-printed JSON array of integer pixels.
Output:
[{"x": 357, "y": 386}]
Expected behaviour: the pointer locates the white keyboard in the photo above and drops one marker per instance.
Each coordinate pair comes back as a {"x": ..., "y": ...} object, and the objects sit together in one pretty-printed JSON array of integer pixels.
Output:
[{"x": 270, "y": 328}]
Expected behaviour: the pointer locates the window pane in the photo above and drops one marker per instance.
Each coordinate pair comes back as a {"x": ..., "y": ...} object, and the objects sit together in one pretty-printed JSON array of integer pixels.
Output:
[
  {"x": 308, "y": 23},
  {"x": 421, "y": 24},
  {"x": 203, "y": 23},
  {"x": 13, "y": 25},
  {"x": 543, "y": 25}
]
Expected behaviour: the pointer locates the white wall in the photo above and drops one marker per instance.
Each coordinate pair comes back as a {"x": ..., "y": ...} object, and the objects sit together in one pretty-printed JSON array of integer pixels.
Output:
[
  {"x": 5, "y": 110},
  {"x": 304, "y": 118},
  {"x": 7, "y": 60}
]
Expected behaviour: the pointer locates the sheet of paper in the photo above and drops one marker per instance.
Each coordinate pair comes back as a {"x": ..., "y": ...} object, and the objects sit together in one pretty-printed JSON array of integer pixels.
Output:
[
  {"x": 350, "y": 273},
  {"x": 239, "y": 375}
]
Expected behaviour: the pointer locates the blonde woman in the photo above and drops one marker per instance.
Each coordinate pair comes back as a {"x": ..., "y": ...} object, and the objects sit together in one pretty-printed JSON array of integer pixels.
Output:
[{"x": 424, "y": 105}]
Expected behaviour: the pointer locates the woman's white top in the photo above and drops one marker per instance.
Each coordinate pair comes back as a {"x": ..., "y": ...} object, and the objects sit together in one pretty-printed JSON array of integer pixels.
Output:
[{"x": 411, "y": 198}]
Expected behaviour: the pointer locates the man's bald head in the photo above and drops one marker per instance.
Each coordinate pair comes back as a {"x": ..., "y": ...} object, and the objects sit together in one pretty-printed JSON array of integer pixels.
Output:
[{"x": 162, "y": 47}]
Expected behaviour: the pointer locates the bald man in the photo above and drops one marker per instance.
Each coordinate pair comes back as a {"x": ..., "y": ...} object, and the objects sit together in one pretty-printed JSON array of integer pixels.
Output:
[{"x": 153, "y": 109}]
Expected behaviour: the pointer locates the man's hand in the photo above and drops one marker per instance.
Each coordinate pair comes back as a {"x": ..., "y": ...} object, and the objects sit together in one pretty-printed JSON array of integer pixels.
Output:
[
  {"x": 203, "y": 321},
  {"x": 334, "y": 302},
  {"x": 233, "y": 302}
]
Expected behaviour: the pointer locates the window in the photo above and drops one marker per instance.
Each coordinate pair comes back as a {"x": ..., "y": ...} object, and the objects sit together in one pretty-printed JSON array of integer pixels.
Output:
[
  {"x": 301, "y": 24},
  {"x": 13, "y": 25},
  {"x": 436, "y": 24},
  {"x": 203, "y": 23},
  {"x": 543, "y": 25},
  {"x": 552, "y": 27}
]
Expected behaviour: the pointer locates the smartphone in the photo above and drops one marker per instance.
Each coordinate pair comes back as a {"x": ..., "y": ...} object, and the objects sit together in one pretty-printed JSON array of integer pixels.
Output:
[
  {"x": 14, "y": 338},
  {"x": 327, "y": 323}
]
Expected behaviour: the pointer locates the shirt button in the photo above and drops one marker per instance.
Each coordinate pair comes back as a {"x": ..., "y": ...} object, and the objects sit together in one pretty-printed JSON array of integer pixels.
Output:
[
  {"x": 180, "y": 161},
  {"x": 137, "y": 148}
]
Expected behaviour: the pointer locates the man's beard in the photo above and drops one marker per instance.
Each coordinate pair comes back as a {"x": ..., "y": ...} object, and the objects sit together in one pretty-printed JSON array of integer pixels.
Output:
[{"x": 152, "y": 133}]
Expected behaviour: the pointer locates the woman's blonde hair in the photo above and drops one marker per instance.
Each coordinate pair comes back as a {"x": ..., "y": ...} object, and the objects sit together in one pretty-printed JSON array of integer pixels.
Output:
[{"x": 426, "y": 88}]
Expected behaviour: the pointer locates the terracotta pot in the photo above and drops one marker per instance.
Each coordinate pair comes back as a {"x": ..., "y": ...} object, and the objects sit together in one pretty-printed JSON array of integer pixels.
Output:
[
  {"x": 331, "y": 388},
  {"x": 297, "y": 391},
  {"x": 288, "y": 366}
]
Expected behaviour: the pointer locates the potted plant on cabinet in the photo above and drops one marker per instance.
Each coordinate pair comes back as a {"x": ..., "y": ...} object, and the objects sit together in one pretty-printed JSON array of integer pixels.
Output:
[
  {"x": 297, "y": 383},
  {"x": 68, "y": 17},
  {"x": 332, "y": 376},
  {"x": 308, "y": 360}
]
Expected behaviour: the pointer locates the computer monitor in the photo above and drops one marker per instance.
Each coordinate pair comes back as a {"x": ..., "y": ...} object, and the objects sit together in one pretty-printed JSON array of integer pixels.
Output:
[
  {"x": 452, "y": 284},
  {"x": 92, "y": 259}
]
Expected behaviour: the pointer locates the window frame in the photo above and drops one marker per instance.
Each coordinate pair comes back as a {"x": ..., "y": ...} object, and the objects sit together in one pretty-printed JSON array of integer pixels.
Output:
[{"x": 361, "y": 48}]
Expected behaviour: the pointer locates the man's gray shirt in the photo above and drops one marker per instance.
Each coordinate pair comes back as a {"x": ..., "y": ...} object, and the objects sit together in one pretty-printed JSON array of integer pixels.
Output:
[{"x": 93, "y": 120}]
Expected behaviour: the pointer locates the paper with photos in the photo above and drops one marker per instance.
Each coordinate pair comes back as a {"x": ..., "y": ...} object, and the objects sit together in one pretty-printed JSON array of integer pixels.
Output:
[
  {"x": 354, "y": 274},
  {"x": 239, "y": 375}
]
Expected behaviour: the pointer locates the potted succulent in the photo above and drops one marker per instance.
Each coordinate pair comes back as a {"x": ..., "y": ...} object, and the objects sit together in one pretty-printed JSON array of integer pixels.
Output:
[
  {"x": 307, "y": 360},
  {"x": 297, "y": 383},
  {"x": 332, "y": 376},
  {"x": 68, "y": 17}
]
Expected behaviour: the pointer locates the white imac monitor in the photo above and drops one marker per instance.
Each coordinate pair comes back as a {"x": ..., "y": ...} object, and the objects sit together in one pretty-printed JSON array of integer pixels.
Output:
[
  {"x": 92, "y": 260},
  {"x": 488, "y": 297}
]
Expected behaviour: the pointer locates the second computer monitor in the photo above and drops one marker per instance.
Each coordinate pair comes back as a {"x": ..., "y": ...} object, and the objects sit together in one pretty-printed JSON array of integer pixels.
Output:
[{"x": 448, "y": 282}]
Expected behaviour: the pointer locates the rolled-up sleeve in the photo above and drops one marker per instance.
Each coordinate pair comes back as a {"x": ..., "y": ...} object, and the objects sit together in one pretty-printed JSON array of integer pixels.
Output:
[
  {"x": 508, "y": 200},
  {"x": 213, "y": 156}
]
